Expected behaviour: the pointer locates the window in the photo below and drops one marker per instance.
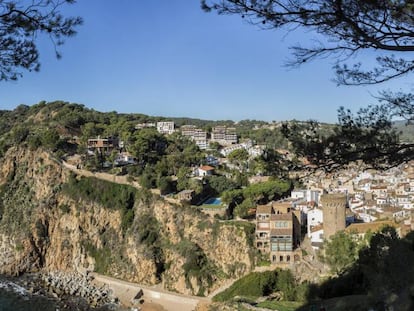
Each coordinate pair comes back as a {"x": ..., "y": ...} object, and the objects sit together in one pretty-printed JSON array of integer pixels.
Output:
[
  {"x": 281, "y": 258},
  {"x": 288, "y": 258},
  {"x": 281, "y": 224},
  {"x": 281, "y": 243},
  {"x": 263, "y": 225}
]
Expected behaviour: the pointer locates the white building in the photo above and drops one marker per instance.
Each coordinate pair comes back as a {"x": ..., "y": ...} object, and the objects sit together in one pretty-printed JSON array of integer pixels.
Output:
[
  {"x": 166, "y": 127},
  {"x": 315, "y": 219},
  {"x": 308, "y": 195},
  {"x": 316, "y": 237},
  {"x": 198, "y": 136},
  {"x": 224, "y": 135}
]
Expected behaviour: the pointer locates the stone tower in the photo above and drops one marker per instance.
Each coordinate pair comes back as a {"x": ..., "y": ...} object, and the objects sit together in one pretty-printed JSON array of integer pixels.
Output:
[{"x": 333, "y": 207}]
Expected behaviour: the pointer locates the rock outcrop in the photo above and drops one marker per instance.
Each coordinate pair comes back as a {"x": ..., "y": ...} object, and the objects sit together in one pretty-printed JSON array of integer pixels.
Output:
[{"x": 45, "y": 228}]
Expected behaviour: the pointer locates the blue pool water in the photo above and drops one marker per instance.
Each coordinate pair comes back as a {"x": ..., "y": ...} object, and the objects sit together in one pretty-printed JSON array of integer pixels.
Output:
[{"x": 213, "y": 201}]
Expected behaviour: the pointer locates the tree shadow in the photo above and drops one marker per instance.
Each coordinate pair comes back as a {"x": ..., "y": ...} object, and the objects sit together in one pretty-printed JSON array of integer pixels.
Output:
[{"x": 381, "y": 279}]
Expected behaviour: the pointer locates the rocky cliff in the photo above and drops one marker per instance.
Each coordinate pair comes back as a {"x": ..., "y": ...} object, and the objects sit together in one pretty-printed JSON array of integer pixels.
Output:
[{"x": 51, "y": 219}]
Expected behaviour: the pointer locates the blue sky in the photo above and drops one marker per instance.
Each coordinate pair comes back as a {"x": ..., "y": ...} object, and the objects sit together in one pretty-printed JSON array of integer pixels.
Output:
[{"x": 169, "y": 58}]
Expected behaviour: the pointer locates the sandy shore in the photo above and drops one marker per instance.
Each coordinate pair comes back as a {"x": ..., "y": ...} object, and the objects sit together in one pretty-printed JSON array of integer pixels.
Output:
[
  {"x": 154, "y": 299},
  {"x": 150, "y": 306}
]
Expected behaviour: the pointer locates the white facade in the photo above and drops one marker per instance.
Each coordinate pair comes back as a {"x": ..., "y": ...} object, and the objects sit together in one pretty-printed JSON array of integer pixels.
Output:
[
  {"x": 316, "y": 238},
  {"x": 297, "y": 194},
  {"x": 315, "y": 219},
  {"x": 308, "y": 195},
  {"x": 166, "y": 127},
  {"x": 202, "y": 143}
]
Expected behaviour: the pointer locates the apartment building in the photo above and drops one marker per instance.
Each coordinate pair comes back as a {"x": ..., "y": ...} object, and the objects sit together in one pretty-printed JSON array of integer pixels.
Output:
[
  {"x": 165, "y": 127},
  {"x": 224, "y": 135},
  {"x": 195, "y": 134}
]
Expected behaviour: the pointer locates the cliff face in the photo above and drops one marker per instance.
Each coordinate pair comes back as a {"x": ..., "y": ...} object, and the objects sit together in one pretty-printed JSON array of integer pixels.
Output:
[{"x": 43, "y": 226}]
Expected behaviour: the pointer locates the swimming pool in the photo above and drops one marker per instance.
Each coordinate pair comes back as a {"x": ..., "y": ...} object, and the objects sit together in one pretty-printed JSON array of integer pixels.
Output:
[{"x": 212, "y": 201}]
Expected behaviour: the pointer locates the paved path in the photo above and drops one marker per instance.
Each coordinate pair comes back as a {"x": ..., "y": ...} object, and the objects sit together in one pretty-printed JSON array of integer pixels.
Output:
[{"x": 170, "y": 301}]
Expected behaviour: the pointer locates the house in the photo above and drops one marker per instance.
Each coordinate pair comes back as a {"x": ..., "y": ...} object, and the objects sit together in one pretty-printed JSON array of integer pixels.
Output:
[
  {"x": 315, "y": 219},
  {"x": 282, "y": 238},
  {"x": 212, "y": 160},
  {"x": 263, "y": 213},
  {"x": 102, "y": 145},
  {"x": 141, "y": 126},
  {"x": 186, "y": 195},
  {"x": 277, "y": 232},
  {"x": 316, "y": 236},
  {"x": 308, "y": 195},
  {"x": 205, "y": 170},
  {"x": 124, "y": 159}
]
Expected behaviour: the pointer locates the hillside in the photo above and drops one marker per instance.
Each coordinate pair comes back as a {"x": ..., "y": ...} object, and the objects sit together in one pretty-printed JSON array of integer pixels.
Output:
[
  {"x": 55, "y": 218},
  {"x": 52, "y": 220}
]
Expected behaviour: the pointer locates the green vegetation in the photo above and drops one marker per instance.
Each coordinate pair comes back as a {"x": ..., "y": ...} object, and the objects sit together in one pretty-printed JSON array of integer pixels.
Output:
[
  {"x": 280, "y": 305},
  {"x": 258, "y": 284},
  {"x": 218, "y": 184},
  {"x": 147, "y": 232},
  {"x": 109, "y": 195},
  {"x": 341, "y": 251},
  {"x": 196, "y": 265},
  {"x": 17, "y": 203},
  {"x": 102, "y": 256},
  {"x": 383, "y": 268},
  {"x": 244, "y": 199}
]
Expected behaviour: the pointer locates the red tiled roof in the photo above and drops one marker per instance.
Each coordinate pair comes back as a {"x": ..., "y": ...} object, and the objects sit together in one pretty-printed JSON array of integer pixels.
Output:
[
  {"x": 316, "y": 228},
  {"x": 369, "y": 226},
  {"x": 206, "y": 168}
]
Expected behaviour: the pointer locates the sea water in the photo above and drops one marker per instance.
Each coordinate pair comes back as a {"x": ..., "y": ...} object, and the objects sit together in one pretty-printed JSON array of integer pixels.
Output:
[{"x": 15, "y": 298}]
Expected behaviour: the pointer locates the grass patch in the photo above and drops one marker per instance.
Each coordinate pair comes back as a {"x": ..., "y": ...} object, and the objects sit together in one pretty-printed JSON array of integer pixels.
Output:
[
  {"x": 345, "y": 303},
  {"x": 253, "y": 285},
  {"x": 249, "y": 229},
  {"x": 196, "y": 265},
  {"x": 263, "y": 263},
  {"x": 280, "y": 305},
  {"x": 259, "y": 284},
  {"x": 102, "y": 257},
  {"x": 109, "y": 195},
  {"x": 212, "y": 207}
]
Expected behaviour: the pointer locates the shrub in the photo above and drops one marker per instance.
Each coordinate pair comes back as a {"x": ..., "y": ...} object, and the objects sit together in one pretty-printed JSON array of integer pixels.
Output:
[
  {"x": 109, "y": 195},
  {"x": 102, "y": 257},
  {"x": 254, "y": 285},
  {"x": 196, "y": 265},
  {"x": 258, "y": 284}
]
